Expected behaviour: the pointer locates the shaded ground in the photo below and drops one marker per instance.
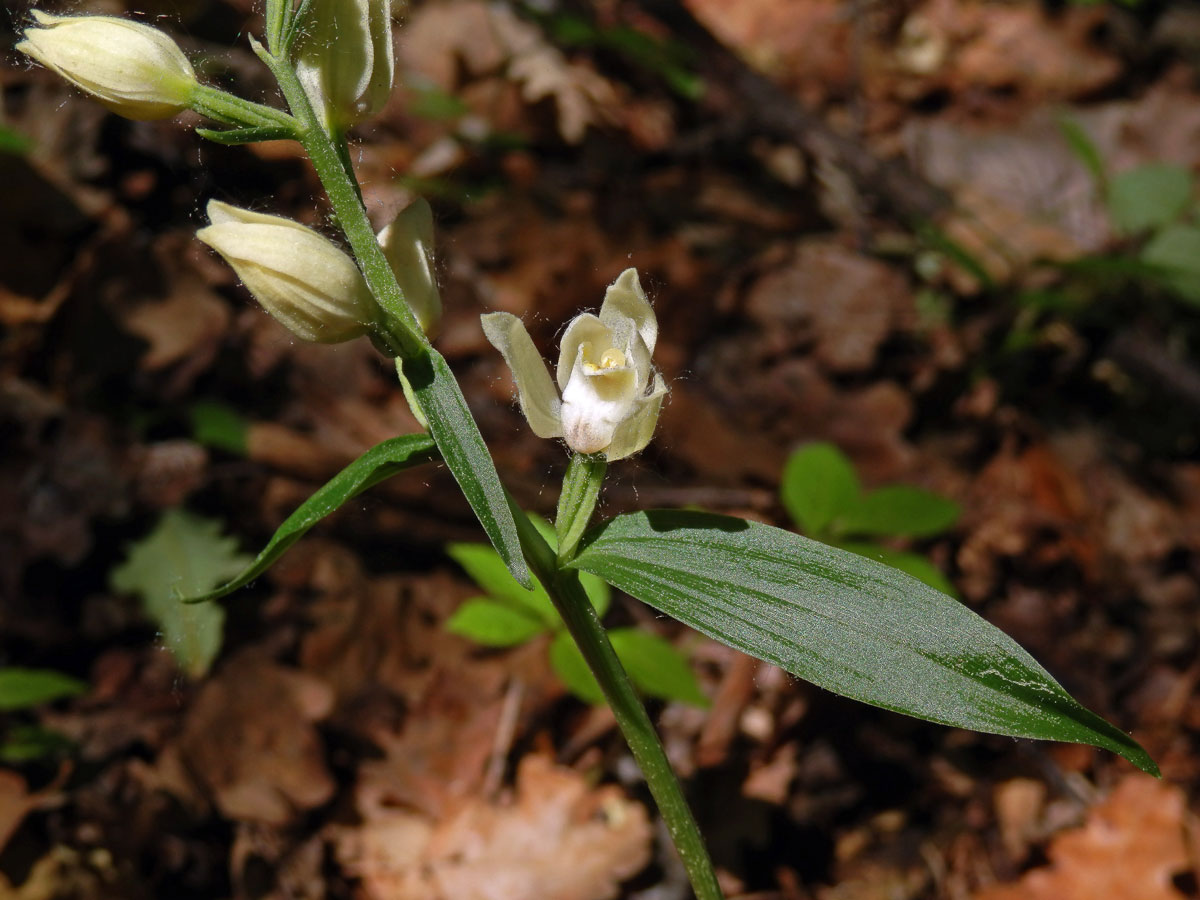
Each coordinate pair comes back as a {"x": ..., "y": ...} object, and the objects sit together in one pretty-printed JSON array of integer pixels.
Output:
[{"x": 345, "y": 745}]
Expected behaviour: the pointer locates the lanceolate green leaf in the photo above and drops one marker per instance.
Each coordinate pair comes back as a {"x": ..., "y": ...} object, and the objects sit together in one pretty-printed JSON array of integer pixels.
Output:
[
  {"x": 843, "y": 622},
  {"x": 466, "y": 455},
  {"x": 379, "y": 463}
]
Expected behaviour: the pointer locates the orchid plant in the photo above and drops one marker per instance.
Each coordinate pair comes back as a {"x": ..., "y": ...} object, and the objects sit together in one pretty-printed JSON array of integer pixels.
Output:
[{"x": 846, "y": 623}]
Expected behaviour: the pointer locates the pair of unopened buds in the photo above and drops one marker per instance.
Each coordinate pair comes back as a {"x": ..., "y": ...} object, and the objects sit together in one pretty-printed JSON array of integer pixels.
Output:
[{"x": 608, "y": 395}]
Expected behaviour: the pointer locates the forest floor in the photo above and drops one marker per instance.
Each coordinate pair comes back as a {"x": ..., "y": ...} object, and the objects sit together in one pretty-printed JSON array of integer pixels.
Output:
[{"x": 972, "y": 317}]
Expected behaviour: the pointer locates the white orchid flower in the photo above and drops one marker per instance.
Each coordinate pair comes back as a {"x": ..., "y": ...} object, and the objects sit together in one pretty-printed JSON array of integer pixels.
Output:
[{"x": 610, "y": 394}]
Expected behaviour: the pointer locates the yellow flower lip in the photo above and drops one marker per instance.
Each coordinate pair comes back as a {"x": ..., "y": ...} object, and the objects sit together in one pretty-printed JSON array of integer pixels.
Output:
[{"x": 610, "y": 359}]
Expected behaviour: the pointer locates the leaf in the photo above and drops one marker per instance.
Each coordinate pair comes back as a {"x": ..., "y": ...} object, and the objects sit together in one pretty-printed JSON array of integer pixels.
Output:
[
  {"x": 27, "y": 688},
  {"x": 31, "y": 743},
  {"x": 568, "y": 663},
  {"x": 378, "y": 464},
  {"x": 1081, "y": 144},
  {"x": 656, "y": 667},
  {"x": 12, "y": 141},
  {"x": 818, "y": 484},
  {"x": 1149, "y": 197},
  {"x": 1176, "y": 252},
  {"x": 466, "y": 455},
  {"x": 485, "y": 567},
  {"x": 493, "y": 624},
  {"x": 913, "y": 563},
  {"x": 898, "y": 511},
  {"x": 845, "y": 623},
  {"x": 184, "y": 556},
  {"x": 233, "y": 137},
  {"x": 219, "y": 426}
]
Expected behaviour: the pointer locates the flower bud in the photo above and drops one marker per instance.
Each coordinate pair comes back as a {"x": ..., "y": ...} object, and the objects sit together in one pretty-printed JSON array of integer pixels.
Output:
[
  {"x": 610, "y": 394},
  {"x": 408, "y": 245},
  {"x": 299, "y": 277},
  {"x": 133, "y": 69},
  {"x": 345, "y": 60}
]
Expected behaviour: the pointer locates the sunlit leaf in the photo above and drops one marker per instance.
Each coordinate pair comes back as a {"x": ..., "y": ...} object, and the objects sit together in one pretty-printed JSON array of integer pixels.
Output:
[
  {"x": 493, "y": 624},
  {"x": 26, "y": 688},
  {"x": 898, "y": 511},
  {"x": 846, "y": 623},
  {"x": 818, "y": 485},
  {"x": 656, "y": 667},
  {"x": 1149, "y": 197}
]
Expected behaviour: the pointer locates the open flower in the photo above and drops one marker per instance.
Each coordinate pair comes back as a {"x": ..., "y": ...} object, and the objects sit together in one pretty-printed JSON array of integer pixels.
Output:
[
  {"x": 133, "y": 69},
  {"x": 345, "y": 59},
  {"x": 610, "y": 394},
  {"x": 300, "y": 277}
]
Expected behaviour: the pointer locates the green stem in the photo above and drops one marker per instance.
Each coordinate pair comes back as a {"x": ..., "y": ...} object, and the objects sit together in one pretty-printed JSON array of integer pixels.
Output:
[
  {"x": 584, "y": 626},
  {"x": 580, "y": 490},
  {"x": 351, "y": 215}
]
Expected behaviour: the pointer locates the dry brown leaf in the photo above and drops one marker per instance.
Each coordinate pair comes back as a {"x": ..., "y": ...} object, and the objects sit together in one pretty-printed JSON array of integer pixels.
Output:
[
  {"x": 249, "y": 739},
  {"x": 844, "y": 302},
  {"x": 556, "y": 839},
  {"x": 488, "y": 39},
  {"x": 192, "y": 319},
  {"x": 1130, "y": 847}
]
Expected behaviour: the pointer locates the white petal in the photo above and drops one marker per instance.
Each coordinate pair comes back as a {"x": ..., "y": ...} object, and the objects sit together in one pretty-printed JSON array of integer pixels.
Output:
[
  {"x": 584, "y": 328},
  {"x": 539, "y": 400},
  {"x": 626, "y": 301},
  {"x": 595, "y": 404},
  {"x": 635, "y": 432},
  {"x": 408, "y": 245}
]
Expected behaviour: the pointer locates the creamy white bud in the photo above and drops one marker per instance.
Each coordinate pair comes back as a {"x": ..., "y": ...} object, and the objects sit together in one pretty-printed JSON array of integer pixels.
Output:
[
  {"x": 133, "y": 69},
  {"x": 611, "y": 395},
  {"x": 300, "y": 277},
  {"x": 345, "y": 59},
  {"x": 408, "y": 245}
]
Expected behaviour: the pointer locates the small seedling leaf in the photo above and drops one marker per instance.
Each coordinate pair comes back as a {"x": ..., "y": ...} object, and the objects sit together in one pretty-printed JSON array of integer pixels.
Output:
[
  {"x": 571, "y": 668},
  {"x": 26, "y": 688},
  {"x": 1149, "y": 197},
  {"x": 898, "y": 511},
  {"x": 494, "y": 624},
  {"x": 1175, "y": 251},
  {"x": 656, "y": 667},
  {"x": 819, "y": 484},
  {"x": 184, "y": 556}
]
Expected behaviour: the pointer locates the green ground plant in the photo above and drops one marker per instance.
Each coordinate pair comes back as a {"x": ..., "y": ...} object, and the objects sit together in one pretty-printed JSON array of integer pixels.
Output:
[
  {"x": 508, "y": 615},
  {"x": 821, "y": 492}
]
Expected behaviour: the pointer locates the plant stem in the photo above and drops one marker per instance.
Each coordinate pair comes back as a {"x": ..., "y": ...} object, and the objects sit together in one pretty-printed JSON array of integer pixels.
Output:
[
  {"x": 352, "y": 216},
  {"x": 583, "y": 624}
]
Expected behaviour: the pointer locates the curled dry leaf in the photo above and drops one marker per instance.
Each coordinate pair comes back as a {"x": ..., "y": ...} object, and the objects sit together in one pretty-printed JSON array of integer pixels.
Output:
[
  {"x": 1131, "y": 846},
  {"x": 556, "y": 839},
  {"x": 249, "y": 739}
]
